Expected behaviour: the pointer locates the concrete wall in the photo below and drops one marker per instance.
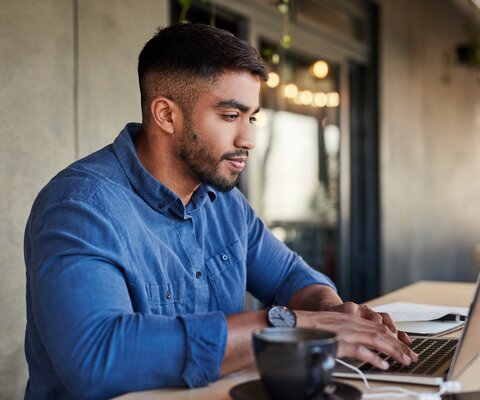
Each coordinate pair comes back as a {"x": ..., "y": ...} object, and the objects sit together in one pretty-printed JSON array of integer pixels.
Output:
[
  {"x": 111, "y": 34},
  {"x": 68, "y": 84},
  {"x": 36, "y": 114},
  {"x": 430, "y": 146}
]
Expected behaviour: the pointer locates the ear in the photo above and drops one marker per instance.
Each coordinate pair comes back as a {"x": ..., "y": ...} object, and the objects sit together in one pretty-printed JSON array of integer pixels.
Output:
[{"x": 166, "y": 114}]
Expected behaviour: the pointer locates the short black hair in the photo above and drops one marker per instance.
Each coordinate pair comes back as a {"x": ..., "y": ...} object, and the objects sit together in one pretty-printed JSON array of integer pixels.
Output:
[{"x": 179, "y": 58}]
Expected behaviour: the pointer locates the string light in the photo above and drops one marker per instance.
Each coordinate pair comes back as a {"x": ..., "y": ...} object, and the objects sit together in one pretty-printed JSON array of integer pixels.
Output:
[
  {"x": 290, "y": 91},
  {"x": 319, "y": 69},
  {"x": 320, "y": 99},
  {"x": 306, "y": 97},
  {"x": 333, "y": 99},
  {"x": 273, "y": 80}
]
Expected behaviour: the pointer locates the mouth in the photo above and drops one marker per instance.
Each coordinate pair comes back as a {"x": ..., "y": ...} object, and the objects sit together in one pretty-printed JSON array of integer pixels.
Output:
[{"x": 237, "y": 164}]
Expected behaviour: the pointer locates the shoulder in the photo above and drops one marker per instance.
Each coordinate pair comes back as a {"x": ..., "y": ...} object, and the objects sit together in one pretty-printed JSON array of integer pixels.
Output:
[{"x": 97, "y": 175}]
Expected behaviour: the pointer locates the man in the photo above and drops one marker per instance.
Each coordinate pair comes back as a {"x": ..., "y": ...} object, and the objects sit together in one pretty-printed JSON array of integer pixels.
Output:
[{"x": 138, "y": 256}]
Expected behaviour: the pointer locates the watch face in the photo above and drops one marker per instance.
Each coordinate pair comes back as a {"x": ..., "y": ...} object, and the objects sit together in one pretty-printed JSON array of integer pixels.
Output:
[{"x": 282, "y": 317}]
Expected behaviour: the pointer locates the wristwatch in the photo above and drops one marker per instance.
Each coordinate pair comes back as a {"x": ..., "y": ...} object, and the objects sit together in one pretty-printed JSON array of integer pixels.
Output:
[{"x": 281, "y": 317}]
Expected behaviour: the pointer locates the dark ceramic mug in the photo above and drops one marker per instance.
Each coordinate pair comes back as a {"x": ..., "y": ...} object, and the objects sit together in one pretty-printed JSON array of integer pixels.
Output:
[{"x": 295, "y": 363}]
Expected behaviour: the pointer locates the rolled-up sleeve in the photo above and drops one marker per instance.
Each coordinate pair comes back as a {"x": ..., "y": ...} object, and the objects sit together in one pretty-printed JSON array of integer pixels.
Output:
[
  {"x": 82, "y": 317},
  {"x": 205, "y": 347}
]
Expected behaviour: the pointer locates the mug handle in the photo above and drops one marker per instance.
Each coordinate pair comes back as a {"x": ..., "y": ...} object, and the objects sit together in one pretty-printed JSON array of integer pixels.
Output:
[{"x": 321, "y": 368}]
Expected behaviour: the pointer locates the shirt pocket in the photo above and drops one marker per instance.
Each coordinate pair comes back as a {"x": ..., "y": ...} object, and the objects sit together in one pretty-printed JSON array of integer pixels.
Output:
[
  {"x": 167, "y": 299},
  {"x": 226, "y": 273}
]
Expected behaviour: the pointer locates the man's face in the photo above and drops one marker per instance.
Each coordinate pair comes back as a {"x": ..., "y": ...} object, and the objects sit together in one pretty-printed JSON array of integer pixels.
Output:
[{"x": 218, "y": 133}]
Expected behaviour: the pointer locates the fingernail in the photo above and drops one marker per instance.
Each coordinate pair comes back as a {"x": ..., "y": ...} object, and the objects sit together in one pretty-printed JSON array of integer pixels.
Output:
[{"x": 384, "y": 364}]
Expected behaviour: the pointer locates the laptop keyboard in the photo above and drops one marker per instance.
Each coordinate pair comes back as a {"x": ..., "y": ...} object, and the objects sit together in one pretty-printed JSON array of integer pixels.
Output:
[{"x": 432, "y": 354}]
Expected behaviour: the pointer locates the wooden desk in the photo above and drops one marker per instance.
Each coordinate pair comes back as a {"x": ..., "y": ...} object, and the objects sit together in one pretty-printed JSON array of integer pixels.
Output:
[{"x": 442, "y": 293}]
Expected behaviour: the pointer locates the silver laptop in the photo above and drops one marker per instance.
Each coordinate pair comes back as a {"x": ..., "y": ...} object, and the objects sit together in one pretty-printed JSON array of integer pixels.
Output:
[{"x": 439, "y": 358}]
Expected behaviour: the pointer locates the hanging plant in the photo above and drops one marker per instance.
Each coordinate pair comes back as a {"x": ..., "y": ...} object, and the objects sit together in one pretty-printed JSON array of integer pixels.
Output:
[
  {"x": 186, "y": 4},
  {"x": 285, "y": 9}
]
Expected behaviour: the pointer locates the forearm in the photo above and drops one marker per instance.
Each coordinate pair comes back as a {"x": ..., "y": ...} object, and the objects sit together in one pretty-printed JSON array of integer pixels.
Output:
[
  {"x": 239, "y": 350},
  {"x": 354, "y": 324},
  {"x": 314, "y": 298},
  {"x": 311, "y": 299}
]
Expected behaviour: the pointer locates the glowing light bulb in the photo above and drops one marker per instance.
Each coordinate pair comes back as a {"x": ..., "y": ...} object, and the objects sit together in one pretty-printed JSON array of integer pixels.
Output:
[
  {"x": 273, "y": 80},
  {"x": 333, "y": 99},
  {"x": 290, "y": 91},
  {"x": 320, "y": 99},
  {"x": 306, "y": 97},
  {"x": 320, "y": 69}
]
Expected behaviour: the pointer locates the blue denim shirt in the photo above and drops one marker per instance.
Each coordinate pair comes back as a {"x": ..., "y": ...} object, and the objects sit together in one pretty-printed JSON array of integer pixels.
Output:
[{"x": 128, "y": 289}]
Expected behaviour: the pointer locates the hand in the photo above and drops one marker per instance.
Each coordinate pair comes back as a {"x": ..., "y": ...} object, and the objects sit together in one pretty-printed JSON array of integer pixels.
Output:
[
  {"x": 366, "y": 312},
  {"x": 359, "y": 337},
  {"x": 324, "y": 298}
]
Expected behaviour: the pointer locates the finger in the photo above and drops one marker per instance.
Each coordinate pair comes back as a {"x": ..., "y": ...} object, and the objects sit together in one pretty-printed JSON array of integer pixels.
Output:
[
  {"x": 402, "y": 336},
  {"x": 367, "y": 313},
  {"x": 382, "y": 340},
  {"x": 404, "y": 343},
  {"x": 362, "y": 353},
  {"x": 388, "y": 321},
  {"x": 359, "y": 330}
]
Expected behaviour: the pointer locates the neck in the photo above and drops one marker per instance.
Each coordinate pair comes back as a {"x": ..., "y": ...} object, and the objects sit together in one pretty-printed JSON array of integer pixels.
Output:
[{"x": 155, "y": 152}]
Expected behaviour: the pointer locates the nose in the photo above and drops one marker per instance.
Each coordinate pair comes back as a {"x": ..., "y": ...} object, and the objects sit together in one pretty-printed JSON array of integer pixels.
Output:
[{"x": 245, "y": 138}]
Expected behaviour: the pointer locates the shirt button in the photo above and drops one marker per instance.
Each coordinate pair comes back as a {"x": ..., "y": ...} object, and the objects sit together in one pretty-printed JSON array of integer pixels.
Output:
[
  {"x": 198, "y": 274},
  {"x": 169, "y": 295},
  {"x": 224, "y": 257}
]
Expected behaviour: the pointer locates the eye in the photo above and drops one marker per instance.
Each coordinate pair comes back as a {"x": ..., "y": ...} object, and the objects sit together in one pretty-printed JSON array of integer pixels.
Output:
[
  {"x": 253, "y": 120},
  {"x": 230, "y": 117}
]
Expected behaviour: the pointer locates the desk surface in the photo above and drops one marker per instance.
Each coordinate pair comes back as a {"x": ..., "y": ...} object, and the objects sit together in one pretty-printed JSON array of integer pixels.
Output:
[{"x": 442, "y": 293}]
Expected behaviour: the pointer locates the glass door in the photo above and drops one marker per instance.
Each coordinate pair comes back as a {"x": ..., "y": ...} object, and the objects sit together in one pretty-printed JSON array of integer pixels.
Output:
[{"x": 293, "y": 173}]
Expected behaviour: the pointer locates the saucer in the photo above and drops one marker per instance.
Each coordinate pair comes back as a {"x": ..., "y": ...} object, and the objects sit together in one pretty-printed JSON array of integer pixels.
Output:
[{"x": 254, "y": 390}]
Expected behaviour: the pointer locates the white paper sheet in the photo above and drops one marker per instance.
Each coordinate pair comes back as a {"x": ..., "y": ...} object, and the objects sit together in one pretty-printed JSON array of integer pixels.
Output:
[
  {"x": 428, "y": 327},
  {"x": 415, "y": 318},
  {"x": 403, "y": 311}
]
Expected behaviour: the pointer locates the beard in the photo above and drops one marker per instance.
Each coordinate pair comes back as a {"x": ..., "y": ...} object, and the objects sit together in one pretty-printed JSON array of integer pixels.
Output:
[{"x": 202, "y": 162}]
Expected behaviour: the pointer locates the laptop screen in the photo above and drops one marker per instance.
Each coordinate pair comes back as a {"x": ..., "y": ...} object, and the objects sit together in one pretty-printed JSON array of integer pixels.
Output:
[{"x": 469, "y": 346}]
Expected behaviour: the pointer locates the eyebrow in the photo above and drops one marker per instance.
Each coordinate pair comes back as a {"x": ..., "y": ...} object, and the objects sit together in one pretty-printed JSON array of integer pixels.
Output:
[{"x": 235, "y": 104}]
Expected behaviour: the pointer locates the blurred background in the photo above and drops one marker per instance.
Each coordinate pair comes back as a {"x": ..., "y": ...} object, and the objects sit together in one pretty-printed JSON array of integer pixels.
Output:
[{"x": 368, "y": 142}]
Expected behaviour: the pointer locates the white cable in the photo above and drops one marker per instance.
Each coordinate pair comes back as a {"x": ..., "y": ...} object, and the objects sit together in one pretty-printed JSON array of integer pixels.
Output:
[{"x": 397, "y": 391}]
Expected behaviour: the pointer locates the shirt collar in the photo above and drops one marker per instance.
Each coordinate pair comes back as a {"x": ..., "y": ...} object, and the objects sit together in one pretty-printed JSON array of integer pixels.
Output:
[{"x": 149, "y": 188}]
